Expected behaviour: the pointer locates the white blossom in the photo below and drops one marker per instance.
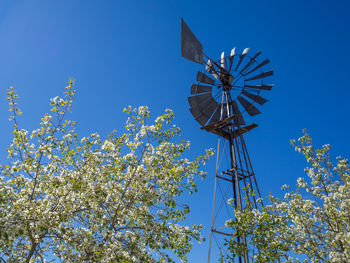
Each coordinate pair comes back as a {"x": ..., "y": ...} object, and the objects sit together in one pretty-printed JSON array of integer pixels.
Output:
[{"x": 95, "y": 199}]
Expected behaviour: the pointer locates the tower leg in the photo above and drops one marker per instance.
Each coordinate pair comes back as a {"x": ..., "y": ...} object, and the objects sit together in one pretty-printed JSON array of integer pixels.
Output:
[
  {"x": 214, "y": 196},
  {"x": 234, "y": 178}
]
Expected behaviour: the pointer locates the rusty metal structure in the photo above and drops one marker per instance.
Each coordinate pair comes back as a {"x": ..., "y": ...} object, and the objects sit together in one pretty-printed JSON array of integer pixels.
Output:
[{"x": 223, "y": 98}]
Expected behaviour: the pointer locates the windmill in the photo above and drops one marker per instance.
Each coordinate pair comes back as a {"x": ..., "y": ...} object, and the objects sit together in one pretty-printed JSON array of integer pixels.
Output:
[{"x": 227, "y": 93}]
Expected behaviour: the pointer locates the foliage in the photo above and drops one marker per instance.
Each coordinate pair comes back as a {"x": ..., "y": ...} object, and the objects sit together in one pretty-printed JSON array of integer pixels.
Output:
[
  {"x": 311, "y": 222},
  {"x": 90, "y": 199}
]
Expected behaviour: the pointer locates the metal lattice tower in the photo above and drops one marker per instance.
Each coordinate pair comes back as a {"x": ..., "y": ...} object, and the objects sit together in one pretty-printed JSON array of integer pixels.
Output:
[{"x": 223, "y": 94}]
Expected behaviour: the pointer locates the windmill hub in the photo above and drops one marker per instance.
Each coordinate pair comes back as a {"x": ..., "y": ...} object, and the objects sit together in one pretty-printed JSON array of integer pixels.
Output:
[
  {"x": 226, "y": 87},
  {"x": 226, "y": 79}
]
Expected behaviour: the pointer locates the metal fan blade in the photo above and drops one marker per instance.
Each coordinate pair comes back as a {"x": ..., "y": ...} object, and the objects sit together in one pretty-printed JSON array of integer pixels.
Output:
[
  {"x": 265, "y": 62},
  {"x": 262, "y": 75},
  {"x": 198, "y": 109},
  {"x": 233, "y": 51},
  {"x": 216, "y": 115},
  {"x": 208, "y": 104},
  {"x": 196, "y": 88},
  {"x": 201, "y": 77},
  {"x": 198, "y": 99},
  {"x": 209, "y": 109},
  {"x": 210, "y": 68},
  {"x": 239, "y": 61},
  {"x": 204, "y": 111},
  {"x": 256, "y": 98},
  {"x": 191, "y": 48},
  {"x": 239, "y": 120},
  {"x": 250, "y": 108},
  {"x": 222, "y": 60},
  {"x": 262, "y": 86},
  {"x": 250, "y": 62},
  {"x": 206, "y": 108},
  {"x": 200, "y": 118},
  {"x": 195, "y": 111},
  {"x": 241, "y": 57}
]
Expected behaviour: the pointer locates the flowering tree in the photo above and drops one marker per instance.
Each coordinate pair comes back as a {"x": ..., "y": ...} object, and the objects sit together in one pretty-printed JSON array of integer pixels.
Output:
[
  {"x": 71, "y": 199},
  {"x": 311, "y": 223}
]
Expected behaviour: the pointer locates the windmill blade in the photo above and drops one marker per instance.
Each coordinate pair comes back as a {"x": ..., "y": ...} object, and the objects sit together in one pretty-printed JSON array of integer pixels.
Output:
[
  {"x": 216, "y": 115},
  {"x": 241, "y": 57},
  {"x": 222, "y": 60},
  {"x": 210, "y": 68},
  {"x": 239, "y": 120},
  {"x": 245, "y": 51},
  {"x": 261, "y": 86},
  {"x": 191, "y": 48},
  {"x": 201, "y": 77},
  {"x": 206, "y": 108},
  {"x": 198, "y": 99},
  {"x": 232, "y": 55},
  {"x": 208, "y": 104},
  {"x": 195, "y": 111},
  {"x": 204, "y": 111},
  {"x": 262, "y": 75},
  {"x": 233, "y": 51},
  {"x": 209, "y": 109},
  {"x": 197, "y": 88},
  {"x": 256, "y": 98},
  {"x": 250, "y": 108},
  {"x": 265, "y": 62},
  {"x": 250, "y": 62},
  {"x": 200, "y": 118}
]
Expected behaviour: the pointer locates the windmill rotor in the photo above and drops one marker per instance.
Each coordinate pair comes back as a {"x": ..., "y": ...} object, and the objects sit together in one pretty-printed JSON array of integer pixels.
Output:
[
  {"x": 244, "y": 82},
  {"x": 229, "y": 86}
]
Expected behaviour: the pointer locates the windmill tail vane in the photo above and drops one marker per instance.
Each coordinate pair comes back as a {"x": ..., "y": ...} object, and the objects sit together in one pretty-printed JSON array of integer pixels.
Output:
[{"x": 225, "y": 95}]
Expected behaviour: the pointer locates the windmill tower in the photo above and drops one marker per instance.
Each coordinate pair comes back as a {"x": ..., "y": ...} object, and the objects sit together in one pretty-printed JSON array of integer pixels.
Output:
[{"x": 225, "y": 92}]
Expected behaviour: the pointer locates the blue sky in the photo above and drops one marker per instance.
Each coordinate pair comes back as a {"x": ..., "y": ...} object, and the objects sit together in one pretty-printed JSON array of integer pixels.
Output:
[{"x": 128, "y": 53}]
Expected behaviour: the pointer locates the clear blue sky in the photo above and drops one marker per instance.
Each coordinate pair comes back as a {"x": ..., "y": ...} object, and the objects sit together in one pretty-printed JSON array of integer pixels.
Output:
[{"x": 128, "y": 53}]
